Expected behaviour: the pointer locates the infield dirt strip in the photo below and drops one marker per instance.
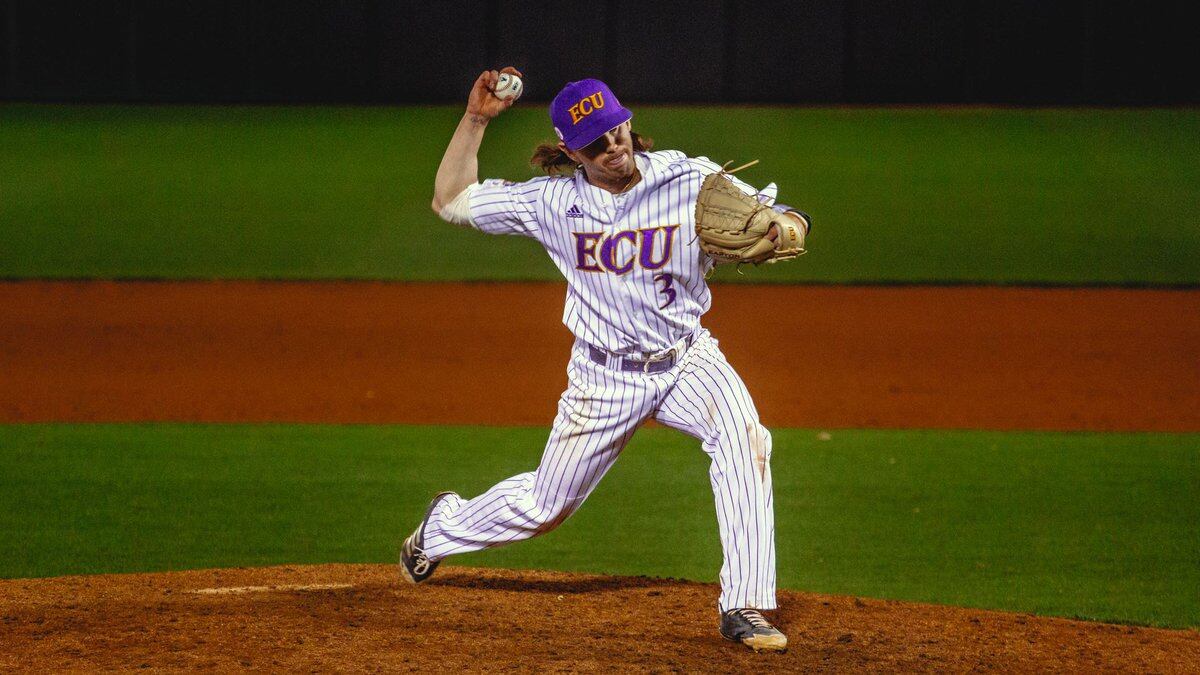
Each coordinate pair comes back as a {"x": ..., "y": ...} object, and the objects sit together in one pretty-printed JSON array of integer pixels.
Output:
[{"x": 496, "y": 354}]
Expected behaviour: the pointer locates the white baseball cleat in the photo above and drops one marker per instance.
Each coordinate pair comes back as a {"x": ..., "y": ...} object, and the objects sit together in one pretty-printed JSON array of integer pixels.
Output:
[{"x": 749, "y": 627}]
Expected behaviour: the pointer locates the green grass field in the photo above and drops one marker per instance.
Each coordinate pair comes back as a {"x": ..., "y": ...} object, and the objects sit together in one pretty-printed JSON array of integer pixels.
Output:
[
  {"x": 1102, "y": 526},
  {"x": 997, "y": 196}
]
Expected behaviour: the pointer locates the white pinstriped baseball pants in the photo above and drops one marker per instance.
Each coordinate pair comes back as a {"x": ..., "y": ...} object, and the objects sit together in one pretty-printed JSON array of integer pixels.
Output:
[{"x": 597, "y": 415}]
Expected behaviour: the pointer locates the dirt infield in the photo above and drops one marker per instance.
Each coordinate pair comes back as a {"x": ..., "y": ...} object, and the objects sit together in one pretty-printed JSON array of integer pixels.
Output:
[
  {"x": 359, "y": 618},
  {"x": 981, "y": 358}
]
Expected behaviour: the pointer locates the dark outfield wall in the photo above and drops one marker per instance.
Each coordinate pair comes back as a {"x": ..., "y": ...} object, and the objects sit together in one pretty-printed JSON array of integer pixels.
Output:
[{"x": 837, "y": 51}]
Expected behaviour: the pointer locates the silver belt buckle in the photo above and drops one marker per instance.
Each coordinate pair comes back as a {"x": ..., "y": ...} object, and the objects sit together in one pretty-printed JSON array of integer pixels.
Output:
[
  {"x": 672, "y": 354},
  {"x": 646, "y": 363},
  {"x": 678, "y": 348}
]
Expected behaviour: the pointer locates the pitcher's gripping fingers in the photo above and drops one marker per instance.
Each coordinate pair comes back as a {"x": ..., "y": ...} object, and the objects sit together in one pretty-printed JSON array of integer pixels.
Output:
[{"x": 482, "y": 100}]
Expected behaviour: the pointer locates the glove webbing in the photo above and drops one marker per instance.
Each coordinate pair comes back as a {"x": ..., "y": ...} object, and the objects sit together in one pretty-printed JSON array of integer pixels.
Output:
[{"x": 728, "y": 172}]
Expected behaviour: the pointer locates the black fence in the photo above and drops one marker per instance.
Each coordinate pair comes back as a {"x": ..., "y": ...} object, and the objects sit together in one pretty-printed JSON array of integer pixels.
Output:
[{"x": 1121, "y": 52}]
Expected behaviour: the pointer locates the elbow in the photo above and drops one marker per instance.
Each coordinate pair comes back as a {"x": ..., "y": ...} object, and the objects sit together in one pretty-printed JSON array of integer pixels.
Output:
[
  {"x": 454, "y": 208},
  {"x": 442, "y": 198}
]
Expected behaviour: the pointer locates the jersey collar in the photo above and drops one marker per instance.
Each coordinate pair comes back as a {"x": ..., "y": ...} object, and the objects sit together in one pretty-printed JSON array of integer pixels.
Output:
[{"x": 604, "y": 204}]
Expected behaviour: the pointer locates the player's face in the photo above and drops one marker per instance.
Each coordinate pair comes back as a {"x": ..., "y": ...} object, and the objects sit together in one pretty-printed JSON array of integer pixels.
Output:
[{"x": 610, "y": 157}]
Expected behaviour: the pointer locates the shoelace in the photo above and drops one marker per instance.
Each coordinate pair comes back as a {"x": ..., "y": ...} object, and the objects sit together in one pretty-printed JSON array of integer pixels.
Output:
[
  {"x": 421, "y": 566},
  {"x": 754, "y": 618}
]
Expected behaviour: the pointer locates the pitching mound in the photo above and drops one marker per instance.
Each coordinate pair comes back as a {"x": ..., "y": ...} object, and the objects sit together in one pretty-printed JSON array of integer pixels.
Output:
[{"x": 359, "y": 617}]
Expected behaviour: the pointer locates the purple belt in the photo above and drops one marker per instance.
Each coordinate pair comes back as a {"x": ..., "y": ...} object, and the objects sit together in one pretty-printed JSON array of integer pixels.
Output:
[{"x": 658, "y": 365}]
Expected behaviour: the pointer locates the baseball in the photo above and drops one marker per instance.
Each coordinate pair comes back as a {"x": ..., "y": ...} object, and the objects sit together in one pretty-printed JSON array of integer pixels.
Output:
[{"x": 508, "y": 86}]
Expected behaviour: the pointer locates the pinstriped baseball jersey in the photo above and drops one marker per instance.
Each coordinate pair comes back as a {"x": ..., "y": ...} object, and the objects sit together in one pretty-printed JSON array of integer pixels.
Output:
[{"x": 634, "y": 269}]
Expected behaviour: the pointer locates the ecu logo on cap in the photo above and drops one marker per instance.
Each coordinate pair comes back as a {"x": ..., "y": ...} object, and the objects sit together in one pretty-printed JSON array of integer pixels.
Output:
[{"x": 586, "y": 106}]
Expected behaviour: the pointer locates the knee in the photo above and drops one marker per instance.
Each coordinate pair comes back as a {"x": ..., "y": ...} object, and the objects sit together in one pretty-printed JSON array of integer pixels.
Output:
[
  {"x": 542, "y": 518},
  {"x": 750, "y": 434},
  {"x": 754, "y": 447},
  {"x": 745, "y": 442},
  {"x": 760, "y": 442},
  {"x": 545, "y": 521}
]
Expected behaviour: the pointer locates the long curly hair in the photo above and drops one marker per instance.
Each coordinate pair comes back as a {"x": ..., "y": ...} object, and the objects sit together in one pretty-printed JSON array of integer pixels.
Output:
[{"x": 549, "y": 158}]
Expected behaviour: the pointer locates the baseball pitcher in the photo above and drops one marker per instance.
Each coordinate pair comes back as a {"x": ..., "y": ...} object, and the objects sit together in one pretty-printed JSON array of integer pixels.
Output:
[{"x": 635, "y": 233}]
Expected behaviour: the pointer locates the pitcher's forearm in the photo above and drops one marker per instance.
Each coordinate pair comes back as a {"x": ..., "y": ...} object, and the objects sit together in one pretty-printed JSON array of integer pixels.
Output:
[{"x": 460, "y": 164}]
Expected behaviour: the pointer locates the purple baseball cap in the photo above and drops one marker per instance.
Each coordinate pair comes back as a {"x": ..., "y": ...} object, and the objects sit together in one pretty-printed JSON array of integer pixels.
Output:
[{"x": 584, "y": 111}]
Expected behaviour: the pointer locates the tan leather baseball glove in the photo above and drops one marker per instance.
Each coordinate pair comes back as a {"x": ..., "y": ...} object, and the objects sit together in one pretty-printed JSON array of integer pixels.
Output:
[{"x": 733, "y": 226}]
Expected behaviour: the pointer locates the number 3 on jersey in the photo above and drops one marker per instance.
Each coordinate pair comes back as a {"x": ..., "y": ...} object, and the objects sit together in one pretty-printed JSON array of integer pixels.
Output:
[{"x": 666, "y": 290}]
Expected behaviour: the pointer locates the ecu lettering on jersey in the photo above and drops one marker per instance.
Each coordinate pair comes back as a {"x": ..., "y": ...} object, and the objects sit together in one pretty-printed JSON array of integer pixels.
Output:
[{"x": 600, "y": 252}]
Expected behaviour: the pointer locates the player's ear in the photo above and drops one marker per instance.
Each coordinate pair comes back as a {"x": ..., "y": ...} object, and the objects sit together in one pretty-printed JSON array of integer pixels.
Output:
[{"x": 562, "y": 147}]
